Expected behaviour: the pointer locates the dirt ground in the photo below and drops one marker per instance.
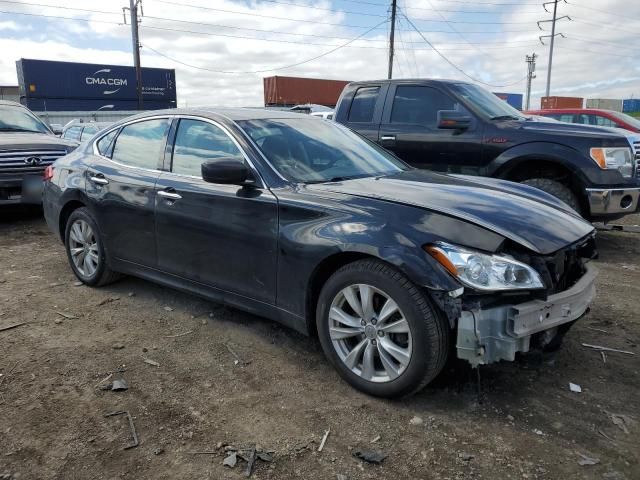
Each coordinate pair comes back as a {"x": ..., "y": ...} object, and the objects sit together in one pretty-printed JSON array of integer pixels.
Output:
[{"x": 281, "y": 394}]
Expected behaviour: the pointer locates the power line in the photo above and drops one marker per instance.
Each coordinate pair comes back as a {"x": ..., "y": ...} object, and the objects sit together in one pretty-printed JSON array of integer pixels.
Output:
[
  {"x": 271, "y": 69},
  {"x": 62, "y": 7},
  {"x": 458, "y": 68},
  {"x": 602, "y": 11},
  {"x": 181, "y": 4}
]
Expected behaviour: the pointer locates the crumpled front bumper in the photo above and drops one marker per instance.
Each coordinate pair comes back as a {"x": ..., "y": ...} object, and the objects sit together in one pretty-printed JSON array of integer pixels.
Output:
[{"x": 490, "y": 335}]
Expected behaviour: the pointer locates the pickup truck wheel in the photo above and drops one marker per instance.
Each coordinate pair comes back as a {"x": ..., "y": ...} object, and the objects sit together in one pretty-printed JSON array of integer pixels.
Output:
[
  {"x": 556, "y": 189},
  {"x": 380, "y": 331},
  {"x": 85, "y": 249}
]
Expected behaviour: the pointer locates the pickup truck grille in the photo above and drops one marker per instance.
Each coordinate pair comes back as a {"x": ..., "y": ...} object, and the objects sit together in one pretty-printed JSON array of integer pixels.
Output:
[
  {"x": 636, "y": 151},
  {"x": 27, "y": 161}
]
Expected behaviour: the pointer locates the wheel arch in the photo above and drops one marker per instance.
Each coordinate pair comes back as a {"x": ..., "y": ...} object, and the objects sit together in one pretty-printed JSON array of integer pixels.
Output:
[
  {"x": 69, "y": 207},
  {"x": 540, "y": 166},
  {"x": 419, "y": 267}
]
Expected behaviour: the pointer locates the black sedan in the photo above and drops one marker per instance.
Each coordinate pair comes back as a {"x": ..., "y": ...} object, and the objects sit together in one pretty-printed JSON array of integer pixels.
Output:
[{"x": 307, "y": 223}]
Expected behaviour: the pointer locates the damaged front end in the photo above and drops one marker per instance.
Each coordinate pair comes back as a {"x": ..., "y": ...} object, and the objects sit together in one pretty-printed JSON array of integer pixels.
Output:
[{"x": 494, "y": 326}]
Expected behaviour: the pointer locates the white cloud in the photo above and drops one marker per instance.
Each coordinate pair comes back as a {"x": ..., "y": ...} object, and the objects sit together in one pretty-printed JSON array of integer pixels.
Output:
[{"x": 605, "y": 65}]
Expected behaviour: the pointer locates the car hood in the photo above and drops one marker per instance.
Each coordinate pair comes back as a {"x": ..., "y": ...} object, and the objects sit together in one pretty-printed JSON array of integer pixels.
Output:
[
  {"x": 25, "y": 140},
  {"x": 520, "y": 213},
  {"x": 572, "y": 129}
]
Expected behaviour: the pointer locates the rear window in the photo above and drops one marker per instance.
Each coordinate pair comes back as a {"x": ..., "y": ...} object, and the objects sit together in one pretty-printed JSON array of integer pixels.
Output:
[
  {"x": 141, "y": 144},
  {"x": 363, "y": 104}
]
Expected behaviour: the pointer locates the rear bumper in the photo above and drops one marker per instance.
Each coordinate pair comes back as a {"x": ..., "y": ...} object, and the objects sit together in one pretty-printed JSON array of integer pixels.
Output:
[
  {"x": 613, "y": 201},
  {"x": 494, "y": 334}
]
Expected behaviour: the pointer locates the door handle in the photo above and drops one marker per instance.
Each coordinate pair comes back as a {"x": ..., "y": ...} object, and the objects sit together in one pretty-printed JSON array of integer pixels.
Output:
[
  {"x": 98, "y": 179},
  {"x": 169, "y": 195},
  {"x": 388, "y": 138}
]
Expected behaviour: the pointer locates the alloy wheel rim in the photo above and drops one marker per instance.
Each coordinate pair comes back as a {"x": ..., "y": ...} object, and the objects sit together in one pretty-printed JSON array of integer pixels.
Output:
[
  {"x": 370, "y": 333},
  {"x": 83, "y": 247}
]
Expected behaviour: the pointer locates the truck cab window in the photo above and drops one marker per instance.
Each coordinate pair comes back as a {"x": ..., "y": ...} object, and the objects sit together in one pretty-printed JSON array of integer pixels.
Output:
[
  {"x": 363, "y": 104},
  {"x": 419, "y": 105}
]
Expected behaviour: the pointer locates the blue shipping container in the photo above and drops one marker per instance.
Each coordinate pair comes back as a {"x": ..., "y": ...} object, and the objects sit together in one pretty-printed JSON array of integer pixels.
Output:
[
  {"x": 631, "y": 105},
  {"x": 513, "y": 99},
  {"x": 66, "y": 80},
  {"x": 91, "y": 105}
]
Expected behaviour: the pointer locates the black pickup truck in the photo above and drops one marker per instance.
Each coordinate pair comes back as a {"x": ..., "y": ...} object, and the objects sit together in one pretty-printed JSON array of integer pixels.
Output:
[
  {"x": 460, "y": 128},
  {"x": 27, "y": 146}
]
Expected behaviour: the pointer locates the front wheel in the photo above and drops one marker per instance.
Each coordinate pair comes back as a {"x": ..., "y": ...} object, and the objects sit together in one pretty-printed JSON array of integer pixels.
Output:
[
  {"x": 381, "y": 331},
  {"x": 557, "y": 189}
]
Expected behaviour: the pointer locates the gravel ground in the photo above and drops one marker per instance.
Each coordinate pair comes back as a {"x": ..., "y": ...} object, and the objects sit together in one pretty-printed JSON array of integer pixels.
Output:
[{"x": 223, "y": 377}]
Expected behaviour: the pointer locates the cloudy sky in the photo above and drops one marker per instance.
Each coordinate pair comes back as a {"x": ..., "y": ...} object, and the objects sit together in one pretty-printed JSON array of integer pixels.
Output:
[{"x": 214, "y": 46}]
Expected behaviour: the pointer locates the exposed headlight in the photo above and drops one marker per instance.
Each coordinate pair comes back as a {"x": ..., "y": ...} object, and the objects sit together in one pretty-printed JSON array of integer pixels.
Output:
[
  {"x": 485, "y": 272},
  {"x": 620, "y": 158}
]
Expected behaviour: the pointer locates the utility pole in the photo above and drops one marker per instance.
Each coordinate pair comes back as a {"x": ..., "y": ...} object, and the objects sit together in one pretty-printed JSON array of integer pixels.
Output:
[
  {"x": 133, "y": 10},
  {"x": 391, "y": 38},
  {"x": 531, "y": 68},
  {"x": 552, "y": 36}
]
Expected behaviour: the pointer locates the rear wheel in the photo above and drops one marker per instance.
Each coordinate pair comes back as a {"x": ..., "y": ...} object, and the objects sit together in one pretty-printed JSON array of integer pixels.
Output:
[
  {"x": 380, "y": 330},
  {"x": 557, "y": 189},
  {"x": 85, "y": 249}
]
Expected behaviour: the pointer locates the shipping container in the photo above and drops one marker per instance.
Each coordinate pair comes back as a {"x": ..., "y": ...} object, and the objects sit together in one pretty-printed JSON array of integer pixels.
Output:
[
  {"x": 291, "y": 91},
  {"x": 41, "y": 79},
  {"x": 604, "y": 104},
  {"x": 561, "y": 102},
  {"x": 631, "y": 105},
  {"x": 513, "y": 99},
  {"x": 90, "y": 105}
]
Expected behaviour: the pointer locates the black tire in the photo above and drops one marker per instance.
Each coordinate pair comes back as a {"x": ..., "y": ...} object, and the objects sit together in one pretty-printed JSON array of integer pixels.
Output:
[
  {"x": 428, "y": 329},
  {"x": 103, "y": 274},
  {"x": 557, "y": 189}
]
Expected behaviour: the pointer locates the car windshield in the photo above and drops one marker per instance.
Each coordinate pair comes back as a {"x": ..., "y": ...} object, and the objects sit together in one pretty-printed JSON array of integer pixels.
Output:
[
  {"x": 306, "y": 150},
  {"x": 627, "y": 119},
  {"x": 18, "y": 119},
  {"x": 486, "y": 103}
]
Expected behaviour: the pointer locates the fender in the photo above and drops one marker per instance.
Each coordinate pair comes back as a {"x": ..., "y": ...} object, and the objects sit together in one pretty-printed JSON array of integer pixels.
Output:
[{"x": 567, "y": 157}]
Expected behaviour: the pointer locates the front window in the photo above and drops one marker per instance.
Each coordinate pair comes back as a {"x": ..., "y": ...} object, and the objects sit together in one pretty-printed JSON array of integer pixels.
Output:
[
  {"x": 307, "y": 151},
  {"x": 415, "y": 104},
  {"x": 19, "y": 119},
  {"x": 196, "y": 142},
  {"x": 486, "y": 103}
]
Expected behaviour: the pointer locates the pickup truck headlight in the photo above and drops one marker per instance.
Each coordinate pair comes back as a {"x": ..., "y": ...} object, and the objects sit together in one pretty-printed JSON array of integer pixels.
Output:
[
  {"x": 485, "y": 272},
  {"x": 620, "y": 158}
]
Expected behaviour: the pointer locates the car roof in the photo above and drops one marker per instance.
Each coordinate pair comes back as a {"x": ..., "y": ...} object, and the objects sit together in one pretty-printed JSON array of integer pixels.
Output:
[
  {"x": 573, "y": 110},
  {"x": 233, "y": 114},
  {"x": 411, "y": 80}
]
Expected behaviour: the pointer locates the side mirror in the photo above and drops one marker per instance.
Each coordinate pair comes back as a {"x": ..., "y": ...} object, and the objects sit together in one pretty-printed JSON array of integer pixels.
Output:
[
  {"x": 453, "y": 120},
  {"x": 226, "y": 170}
]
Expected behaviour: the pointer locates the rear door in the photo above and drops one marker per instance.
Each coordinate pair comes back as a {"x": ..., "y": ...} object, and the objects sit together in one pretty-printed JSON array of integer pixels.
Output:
[
  {"x": 122, "y": 181},
  {"x": 365, "y": 110},
  {"x": 410, "y": 129},
  {"x": 224, "y": 236}
]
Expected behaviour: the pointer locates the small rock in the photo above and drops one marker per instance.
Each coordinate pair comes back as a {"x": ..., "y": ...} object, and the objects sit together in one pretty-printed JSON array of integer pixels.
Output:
[
  {"x": 145, "y": 349},
  {"x": 204, "y": 322},
  {"x": 416, "y": 421},
  {"x": 339, "y": 476},
  {"x": 370, "y": 456},
  {"x": 575, "y": 388},
  {"x": 57, "y": 321},
  {"x": 537, "y": 432},
  {"x": 510, "y": 418},
  {"x": 219, "y": 445},
  {"x": 231, "y": 460},
  {"x": 117, "y": 346},
  {"x": 466, "y": 456},
  {"x": 585, "y": 460},
  {"x": 168, "y": 309},
  {"x": 77, "y": 284},
  {"x": 131, "y": 294},
  {"x": 158, "y": 451}
]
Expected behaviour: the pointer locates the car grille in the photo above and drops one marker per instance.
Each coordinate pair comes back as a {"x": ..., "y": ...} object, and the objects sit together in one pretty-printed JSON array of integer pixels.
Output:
[
  {"x": 27, "y": 161},
  {"x": 636, "y": 152}
]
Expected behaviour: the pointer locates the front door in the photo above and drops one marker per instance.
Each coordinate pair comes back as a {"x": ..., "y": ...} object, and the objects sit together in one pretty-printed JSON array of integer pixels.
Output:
[
  {"x": 224, "y": 236},
  {"x": 121, "y": 182},
  {"x": 410, "y": 129}
]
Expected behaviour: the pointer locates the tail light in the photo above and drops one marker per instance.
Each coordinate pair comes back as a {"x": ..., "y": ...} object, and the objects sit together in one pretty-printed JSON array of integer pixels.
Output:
[{"x": 48, "y": 173}]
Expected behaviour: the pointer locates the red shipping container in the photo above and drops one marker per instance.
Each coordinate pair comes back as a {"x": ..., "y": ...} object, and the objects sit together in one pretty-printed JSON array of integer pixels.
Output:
[
  {"x": 290, "y": 91},
  {"x": 550, "y": 103}
]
